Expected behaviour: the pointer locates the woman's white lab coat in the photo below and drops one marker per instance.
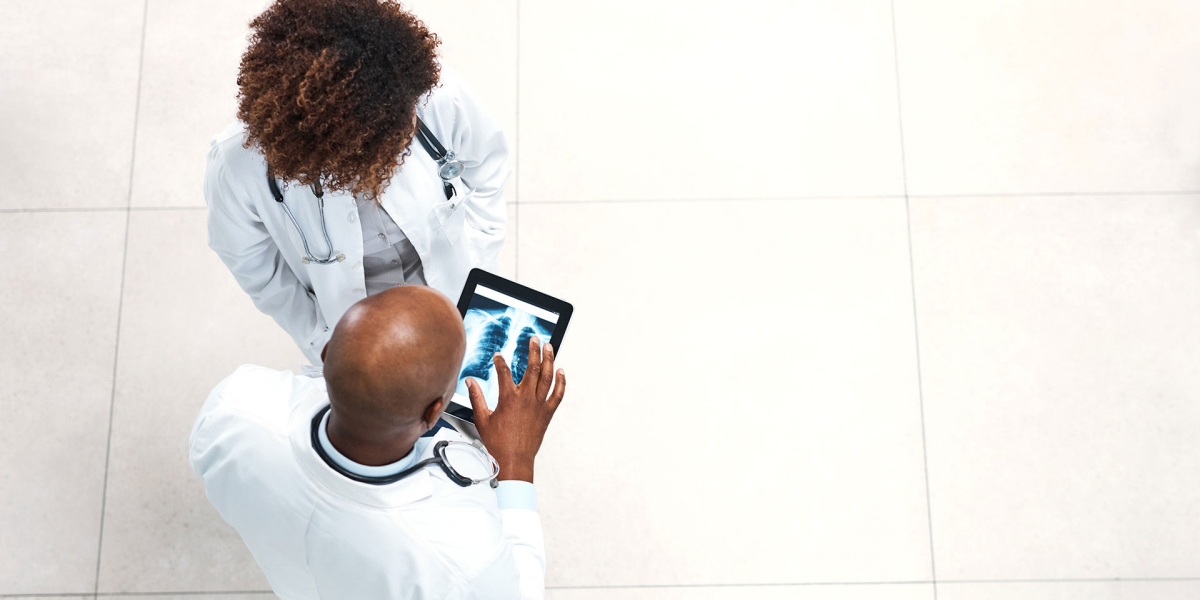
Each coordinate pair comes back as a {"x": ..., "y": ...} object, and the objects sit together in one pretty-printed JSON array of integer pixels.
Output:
[{"x": 256, "y": 240}]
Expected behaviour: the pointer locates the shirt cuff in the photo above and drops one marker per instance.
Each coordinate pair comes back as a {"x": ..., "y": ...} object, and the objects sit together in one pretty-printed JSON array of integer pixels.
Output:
[{"x": 516, "y": 494}]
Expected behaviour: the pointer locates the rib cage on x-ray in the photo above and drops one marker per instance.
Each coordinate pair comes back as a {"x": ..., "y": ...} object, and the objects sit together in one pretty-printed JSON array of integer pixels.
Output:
[
  {"x": 491, "y": 340},
  {"x": 499, "y": 329}
]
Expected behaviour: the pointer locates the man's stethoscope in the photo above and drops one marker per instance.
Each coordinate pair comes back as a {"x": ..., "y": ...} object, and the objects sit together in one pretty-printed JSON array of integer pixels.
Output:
[
  {"x": 449, "y": 167},
  {"x": 464, "y": 463}
]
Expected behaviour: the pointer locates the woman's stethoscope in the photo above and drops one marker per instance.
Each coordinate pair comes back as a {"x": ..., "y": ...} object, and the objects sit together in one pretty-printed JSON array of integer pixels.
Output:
[{"x": 449, "y": 167}]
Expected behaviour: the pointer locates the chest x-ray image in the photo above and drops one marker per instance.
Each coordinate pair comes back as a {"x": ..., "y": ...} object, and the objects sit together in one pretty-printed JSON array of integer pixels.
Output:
[{"x": 493, "y": 326}]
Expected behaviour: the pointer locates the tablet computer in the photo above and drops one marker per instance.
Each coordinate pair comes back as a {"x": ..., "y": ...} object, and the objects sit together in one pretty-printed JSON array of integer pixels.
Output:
[{"x": 500, "y": 315}]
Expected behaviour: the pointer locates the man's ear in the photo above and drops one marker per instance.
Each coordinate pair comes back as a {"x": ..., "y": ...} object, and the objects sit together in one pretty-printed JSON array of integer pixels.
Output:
[{"x": 433, "y": 412}]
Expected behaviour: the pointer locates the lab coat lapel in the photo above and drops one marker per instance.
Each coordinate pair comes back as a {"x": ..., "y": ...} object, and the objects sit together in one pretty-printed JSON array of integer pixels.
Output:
[{"x": 409, "y": 199}]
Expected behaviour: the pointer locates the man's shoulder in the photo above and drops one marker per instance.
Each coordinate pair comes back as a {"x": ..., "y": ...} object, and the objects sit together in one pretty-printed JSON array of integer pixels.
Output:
[
  {"x": 254, "y": 378},
  {"x": 260, "y": 394}
]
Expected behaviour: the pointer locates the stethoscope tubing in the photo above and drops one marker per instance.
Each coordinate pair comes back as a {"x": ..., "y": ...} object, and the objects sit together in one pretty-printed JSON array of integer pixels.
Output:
[
  {"x": 308, "y": 255},
  {"x": 449, "y": 167},
  {"x": 439, "y": 458}
]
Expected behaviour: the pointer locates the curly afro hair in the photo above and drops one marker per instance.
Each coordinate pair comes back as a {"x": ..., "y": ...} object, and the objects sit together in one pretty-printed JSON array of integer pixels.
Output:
[{"x": 328, "y": 90}]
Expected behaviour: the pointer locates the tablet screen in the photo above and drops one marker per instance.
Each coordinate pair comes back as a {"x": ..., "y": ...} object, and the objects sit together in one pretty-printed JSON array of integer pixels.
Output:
[{"x": 496, "y": 322}]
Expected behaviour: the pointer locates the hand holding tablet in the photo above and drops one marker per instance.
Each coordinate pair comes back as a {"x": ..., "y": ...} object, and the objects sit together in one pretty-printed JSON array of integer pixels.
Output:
[
  {"x": 501, "y": 316},
  {"x": 513, "y": 432},
  {"x": 508, "y": 371}
]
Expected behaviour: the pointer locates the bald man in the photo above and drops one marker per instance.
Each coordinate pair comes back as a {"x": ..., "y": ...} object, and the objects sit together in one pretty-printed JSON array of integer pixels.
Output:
[{"x": 338, "y": 486}]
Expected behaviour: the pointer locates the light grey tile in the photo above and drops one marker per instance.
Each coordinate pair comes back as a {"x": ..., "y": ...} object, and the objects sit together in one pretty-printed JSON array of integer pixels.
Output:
[
  {"x": 193, "y": 49},
  {"x": 758, "y": 592},
  {"x": 1065, "y": 96},
  {"x": 631, "y": 100},
  {"x": 508, "y": 254},
  {"x": 1059, "y": 344},
  {"x": 62, "y": 279},
  {"x": 189, "y": 93},
  {"x": 187, "y": 325},
  {"x": 68, "y": 86},
  {"x": 479, "y": 41},
  {"x": 1072, "y": 590},
  {"x": 742, "y": 403}
]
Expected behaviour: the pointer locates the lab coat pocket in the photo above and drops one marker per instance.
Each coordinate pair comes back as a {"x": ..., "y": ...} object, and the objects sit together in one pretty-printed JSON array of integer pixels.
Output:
[{"x": 448, "y": 217}]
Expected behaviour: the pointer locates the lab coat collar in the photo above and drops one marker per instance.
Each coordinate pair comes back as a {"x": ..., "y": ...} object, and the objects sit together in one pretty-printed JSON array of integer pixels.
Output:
[{"x": 406, "y": 491}]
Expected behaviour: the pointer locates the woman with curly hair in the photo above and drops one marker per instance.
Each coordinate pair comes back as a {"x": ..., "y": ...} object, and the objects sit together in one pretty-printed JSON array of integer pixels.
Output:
[{"x": 357, "y": 164}]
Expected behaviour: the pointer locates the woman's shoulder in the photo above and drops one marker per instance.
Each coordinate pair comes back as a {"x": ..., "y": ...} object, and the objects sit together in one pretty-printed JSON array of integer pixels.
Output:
[
  {"x": 229, "y": 153},
  {"x": 453, "y": 108},
  {"x": 230, "y": 143},
  {"x": 449, "y": 96}
]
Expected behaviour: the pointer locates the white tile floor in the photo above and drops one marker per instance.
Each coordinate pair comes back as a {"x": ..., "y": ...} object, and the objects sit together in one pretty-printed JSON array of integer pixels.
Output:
[{"x": 874, "y": 299}]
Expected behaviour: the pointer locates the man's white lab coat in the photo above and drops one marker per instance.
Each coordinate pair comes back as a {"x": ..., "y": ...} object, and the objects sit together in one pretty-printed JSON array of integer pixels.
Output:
[
  {"x": 258, "y": 242},
  {"x": 318, "y": 534}
]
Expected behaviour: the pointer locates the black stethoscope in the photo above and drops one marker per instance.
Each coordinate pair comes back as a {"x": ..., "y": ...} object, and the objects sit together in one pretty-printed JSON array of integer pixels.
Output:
[{"x": 449, "y": 167}]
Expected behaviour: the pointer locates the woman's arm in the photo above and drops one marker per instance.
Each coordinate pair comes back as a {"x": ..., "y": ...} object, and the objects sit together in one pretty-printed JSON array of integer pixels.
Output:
[
  {"x": 238, "y": 236},
  {"x": 480, "y": 143}
]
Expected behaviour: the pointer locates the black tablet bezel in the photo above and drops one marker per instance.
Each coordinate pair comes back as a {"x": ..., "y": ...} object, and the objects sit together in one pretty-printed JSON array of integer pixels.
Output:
[{"x": 525, "y": 294}]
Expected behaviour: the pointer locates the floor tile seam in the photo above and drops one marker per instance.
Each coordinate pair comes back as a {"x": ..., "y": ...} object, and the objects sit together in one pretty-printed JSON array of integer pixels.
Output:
[
  {"x": 113, "y": 594},
  {"x": 667, "y": 586},
  {"x": 881, "y": 582},
  {"x": 518, "y": 201},
  {"x": 714, "y": 200},
  {"x": 98, "y": 209},
  {"x": 671, "y": 586},
  {"x": 185, "y": 593},
  {"x": 970, "y": 195},
  {"x": 1060, "y": 194},
  {"x": 517, "y": 158},
  {"x": 120, "y": 297},
  {"x": 1069, "y": 580},
  {"x": 912, "y": 279}
]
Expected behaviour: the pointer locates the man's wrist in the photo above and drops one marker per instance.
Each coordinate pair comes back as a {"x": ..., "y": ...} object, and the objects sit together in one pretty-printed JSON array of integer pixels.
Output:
[{"x": 518, "y": 471}]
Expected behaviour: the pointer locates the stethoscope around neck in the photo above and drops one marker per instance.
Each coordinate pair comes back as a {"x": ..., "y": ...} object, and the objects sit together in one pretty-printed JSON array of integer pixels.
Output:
[
  {"x": 473, "y": 465},
  {"x": 449, "y": 167}
]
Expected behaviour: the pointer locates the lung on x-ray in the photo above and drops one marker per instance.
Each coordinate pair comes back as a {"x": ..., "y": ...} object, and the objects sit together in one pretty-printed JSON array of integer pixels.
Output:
[{"x": 492, "y": 327}]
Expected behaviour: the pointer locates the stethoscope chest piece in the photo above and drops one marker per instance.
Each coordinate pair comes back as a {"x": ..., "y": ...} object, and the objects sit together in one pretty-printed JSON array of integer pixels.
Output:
[
  {"x": 449, "y": 167},
  {"x": 308, "y": 260}
]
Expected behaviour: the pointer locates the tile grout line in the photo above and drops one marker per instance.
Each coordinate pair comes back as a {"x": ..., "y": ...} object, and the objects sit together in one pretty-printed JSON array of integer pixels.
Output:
[
  {"x": 1059, "y": 194},
  {"x": 1069, "y": 580},
  {"x": 718, "y": 199},
  {"x": 667, "y": 586},
  {"x": 98, "y": 209},
  {"x": 674, "y": 586},
  {"x": 517, "y": 143},
  {"x": 121, "y": 297},
  {"x": 912, "y": 278},
  {"x": 114, "y": 594},
  {"x": 866, "y": 197},
  {"x": 659, "y": 200},
  {"x": 869, "y": 583}
]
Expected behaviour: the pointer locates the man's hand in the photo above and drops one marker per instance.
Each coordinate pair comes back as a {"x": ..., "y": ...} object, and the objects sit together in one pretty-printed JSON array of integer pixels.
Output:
[{"x": 513, "y": 432}]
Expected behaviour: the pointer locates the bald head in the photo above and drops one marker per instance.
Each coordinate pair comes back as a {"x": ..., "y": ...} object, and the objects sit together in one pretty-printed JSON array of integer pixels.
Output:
[{"x": 392, "y": 356}]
